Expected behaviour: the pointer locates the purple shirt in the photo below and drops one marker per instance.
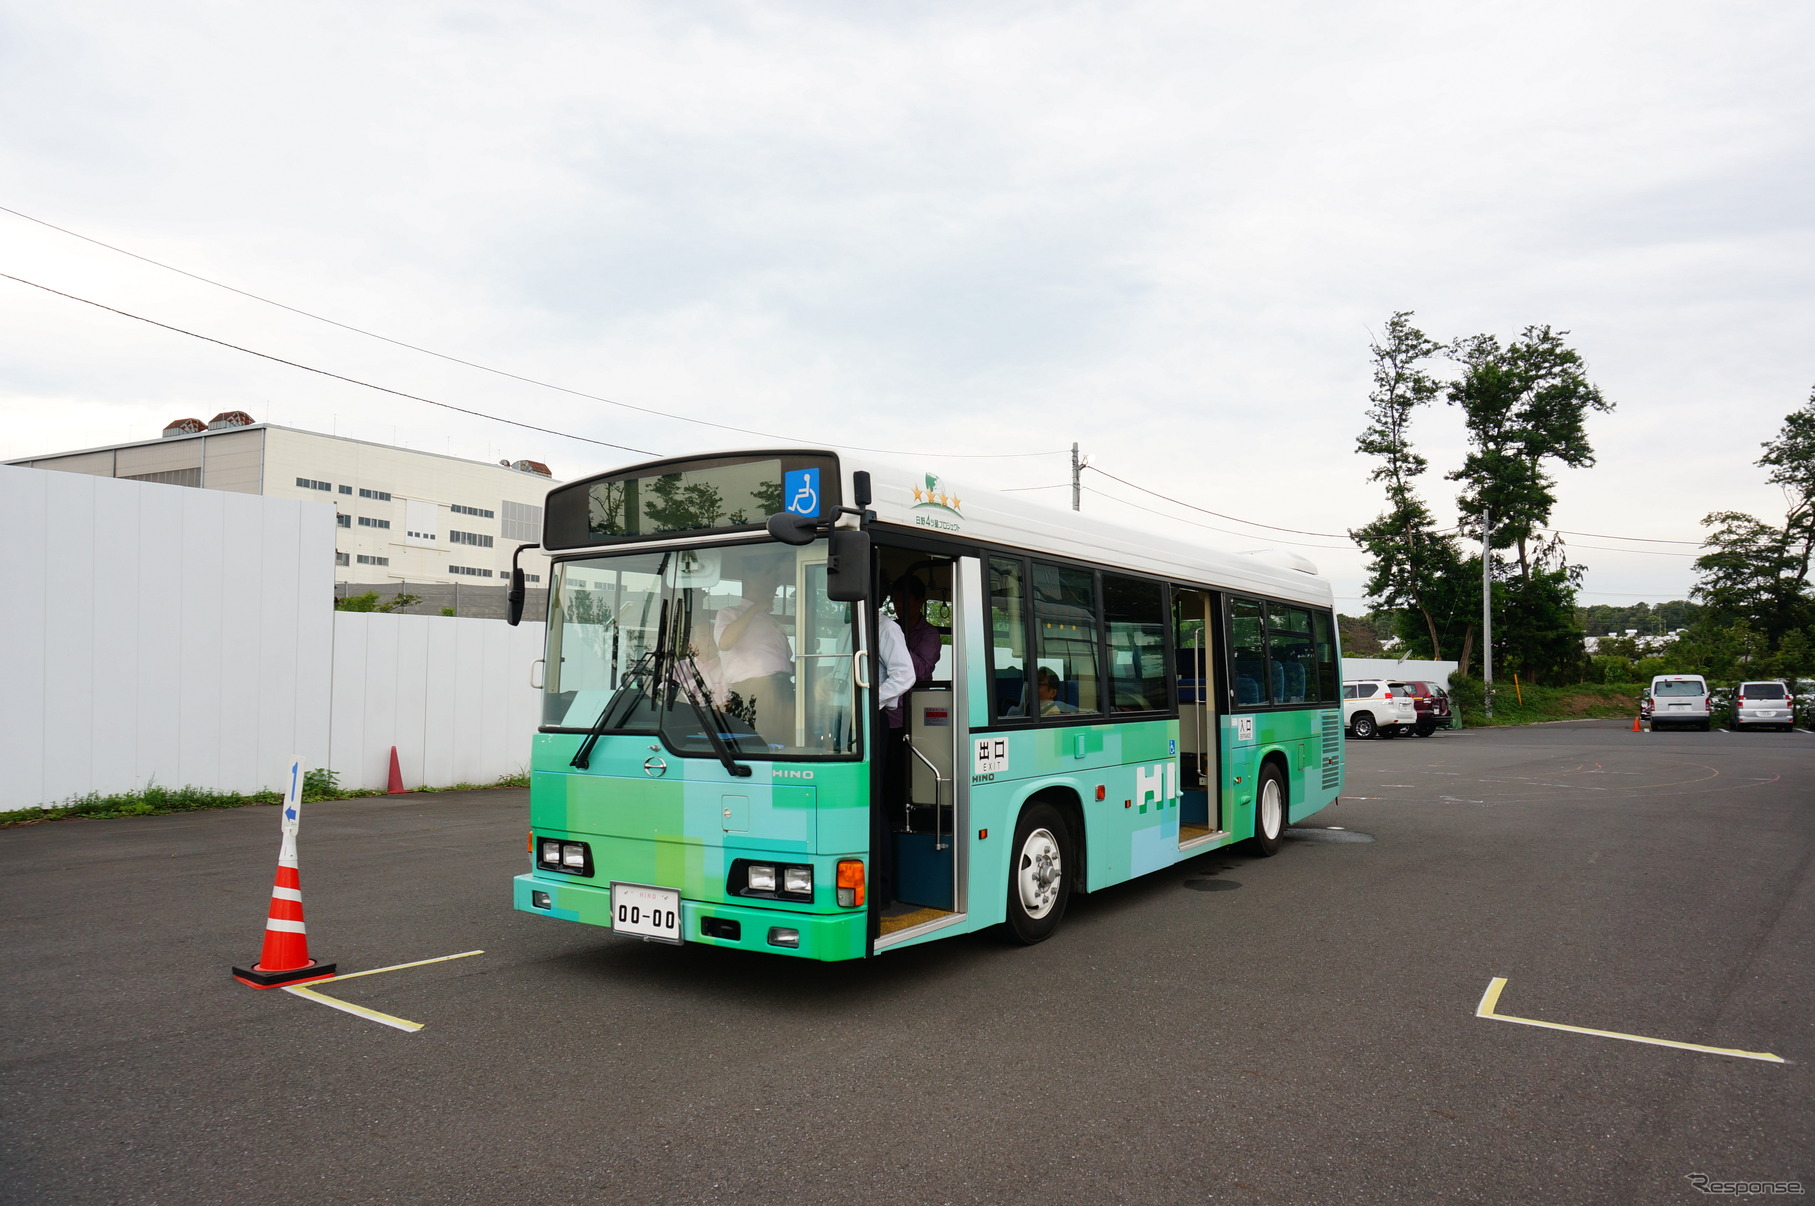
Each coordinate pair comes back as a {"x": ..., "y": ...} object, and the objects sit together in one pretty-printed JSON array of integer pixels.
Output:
[{"x": 923, "y": 649}]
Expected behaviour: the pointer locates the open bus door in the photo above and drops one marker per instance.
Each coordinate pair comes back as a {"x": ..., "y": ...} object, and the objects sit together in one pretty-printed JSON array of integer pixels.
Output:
[
  {"x": 1199, "y": 747},
  {"x": 919, "y": 792}
]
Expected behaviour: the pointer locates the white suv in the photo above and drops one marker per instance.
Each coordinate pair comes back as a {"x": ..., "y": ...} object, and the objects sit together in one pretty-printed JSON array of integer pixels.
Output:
[
  {"x": 1767, "y": 703},
  {"x": 1378, "y": 707}
]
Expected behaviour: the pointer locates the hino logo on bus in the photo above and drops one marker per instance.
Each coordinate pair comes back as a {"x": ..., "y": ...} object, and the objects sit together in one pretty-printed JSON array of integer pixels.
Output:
[{"x": 793, "y": 774}]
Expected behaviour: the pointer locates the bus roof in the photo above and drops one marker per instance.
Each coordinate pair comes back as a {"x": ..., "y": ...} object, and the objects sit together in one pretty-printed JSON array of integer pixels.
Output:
[{"x": 914, "y": 499}]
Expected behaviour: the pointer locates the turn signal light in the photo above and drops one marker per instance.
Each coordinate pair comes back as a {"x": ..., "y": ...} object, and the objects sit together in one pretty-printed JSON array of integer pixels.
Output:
[{"x": 850, "y": 882}]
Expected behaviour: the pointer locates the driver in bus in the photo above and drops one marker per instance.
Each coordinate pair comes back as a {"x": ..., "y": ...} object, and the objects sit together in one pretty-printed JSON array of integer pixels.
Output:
[{"x": 754, "y": 659}]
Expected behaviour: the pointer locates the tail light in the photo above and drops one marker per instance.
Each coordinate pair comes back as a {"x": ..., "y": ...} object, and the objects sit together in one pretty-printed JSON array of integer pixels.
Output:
[
  {"x": 1388, "y": 695},
  {"x": 850, "y": 882}
]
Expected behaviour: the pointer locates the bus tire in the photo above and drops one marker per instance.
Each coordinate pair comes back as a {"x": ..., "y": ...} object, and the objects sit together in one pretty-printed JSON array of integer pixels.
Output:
[
  {"x": 1363, "y": 725},
  {"x": 1269, "y": 811},
  {"x": 1039, "y": 879}
]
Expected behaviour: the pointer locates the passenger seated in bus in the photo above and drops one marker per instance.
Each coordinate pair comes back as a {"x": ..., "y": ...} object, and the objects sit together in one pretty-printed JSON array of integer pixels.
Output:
[
  {"x": 754, "y": 656},
  {"x": 1047, "y": 684}
]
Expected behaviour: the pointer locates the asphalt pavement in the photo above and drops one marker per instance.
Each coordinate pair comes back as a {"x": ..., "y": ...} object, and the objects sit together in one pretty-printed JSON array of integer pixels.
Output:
[{"x": 1235, "y": 1029}]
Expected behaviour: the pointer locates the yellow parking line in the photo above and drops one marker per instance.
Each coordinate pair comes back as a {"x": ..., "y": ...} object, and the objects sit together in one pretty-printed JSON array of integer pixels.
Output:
[
  {"x": 303, "y": 990},
  {"x": 360, "y": 1011},
  {"x": 1491, "y": 998},
  {"x": 399, "y": 966}
]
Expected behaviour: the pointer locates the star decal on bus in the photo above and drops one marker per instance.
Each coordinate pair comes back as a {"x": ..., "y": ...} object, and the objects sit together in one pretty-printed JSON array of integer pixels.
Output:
[{"x": 936, "y": 497}]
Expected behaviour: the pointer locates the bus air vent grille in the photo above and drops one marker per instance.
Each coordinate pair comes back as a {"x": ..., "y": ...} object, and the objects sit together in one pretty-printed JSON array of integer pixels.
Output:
[{"x": 1332, "y": 751}]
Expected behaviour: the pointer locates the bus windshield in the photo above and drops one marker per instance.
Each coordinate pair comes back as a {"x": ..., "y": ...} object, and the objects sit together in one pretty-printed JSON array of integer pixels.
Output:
[{"x": 735, "y": 642}]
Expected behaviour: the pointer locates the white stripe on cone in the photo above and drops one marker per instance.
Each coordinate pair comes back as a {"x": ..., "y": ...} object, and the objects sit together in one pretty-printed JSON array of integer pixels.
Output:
[
  {"x": 285, "y": 927},
  {"x": 286, "y": 894}
]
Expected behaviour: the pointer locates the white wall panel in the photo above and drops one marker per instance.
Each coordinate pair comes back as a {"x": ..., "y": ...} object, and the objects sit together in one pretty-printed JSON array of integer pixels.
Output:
[
  {"x": 159, "y": 620},
  {"x": 111, "y": 587},
  {"x": 69, "y": 627},
  {"x": 25, "y": 547},
  {"x": 202, "y": 554}
]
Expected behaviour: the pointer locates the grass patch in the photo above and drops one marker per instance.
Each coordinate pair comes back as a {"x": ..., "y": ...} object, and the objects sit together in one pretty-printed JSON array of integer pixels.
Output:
[
  {"x": 1581, "y": 701},
  {"x": 318, "y": 785}
]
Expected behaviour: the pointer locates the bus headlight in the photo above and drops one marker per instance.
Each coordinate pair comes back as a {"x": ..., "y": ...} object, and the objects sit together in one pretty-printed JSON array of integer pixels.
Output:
[
  {"x": 771, "y": 881},
  {"x": 761, "y": 878},
  {"x": 797, "y": 880},
  {"x": 570, "y": 858}
]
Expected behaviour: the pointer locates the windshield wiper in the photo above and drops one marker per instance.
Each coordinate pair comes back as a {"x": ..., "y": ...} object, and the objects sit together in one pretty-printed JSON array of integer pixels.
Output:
[
  {"x": 700, "y": 696},
  {"x": 635, "y": 687}
]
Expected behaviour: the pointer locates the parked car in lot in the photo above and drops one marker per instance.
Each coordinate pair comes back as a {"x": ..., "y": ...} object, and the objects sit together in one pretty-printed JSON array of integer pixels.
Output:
[
  {"x": 1764, "y": 704},
  {"x": 1378, "y": 707},
  {"x": 1432, "y": 703},
  {"x": 1677, "y": 699}
]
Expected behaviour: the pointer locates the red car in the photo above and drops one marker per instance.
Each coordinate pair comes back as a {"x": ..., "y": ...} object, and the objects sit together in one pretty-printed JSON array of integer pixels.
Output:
[{"x": 1432, "y": 702}]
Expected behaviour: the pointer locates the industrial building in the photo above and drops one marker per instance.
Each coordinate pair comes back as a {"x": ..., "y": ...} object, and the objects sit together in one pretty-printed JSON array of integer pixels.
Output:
[{"x": 402, "y": 516}]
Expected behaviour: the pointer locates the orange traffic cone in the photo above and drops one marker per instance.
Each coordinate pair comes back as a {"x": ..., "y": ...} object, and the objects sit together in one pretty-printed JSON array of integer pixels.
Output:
[
  {"x": 1635, "y": 725},
  {"x": 285, "y": 957},
  {"x": 395, "y": 786}
]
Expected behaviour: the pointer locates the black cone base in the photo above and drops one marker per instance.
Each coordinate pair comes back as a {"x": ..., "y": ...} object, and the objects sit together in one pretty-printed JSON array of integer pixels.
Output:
[{"x": 254, "y": 978}]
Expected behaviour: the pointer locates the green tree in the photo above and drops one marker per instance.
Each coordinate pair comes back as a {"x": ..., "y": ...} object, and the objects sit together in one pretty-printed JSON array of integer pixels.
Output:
[
  {"x": 1407, "y": 557},
  {"x": 1525, "y": 405},
  {"x": 1755, "y": 572}
]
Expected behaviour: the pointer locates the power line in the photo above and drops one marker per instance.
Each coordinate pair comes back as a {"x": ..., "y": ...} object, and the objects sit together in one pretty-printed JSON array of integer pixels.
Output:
[
  {"x": 1212, "y": 527},
  {"x": 1643, "y": 539},
  {"x": 485, "y": 368},
  {"x": 1054, "y": 486},
  {"x": 324, "y": 372},
  {"x": 1218, "y": 514}
]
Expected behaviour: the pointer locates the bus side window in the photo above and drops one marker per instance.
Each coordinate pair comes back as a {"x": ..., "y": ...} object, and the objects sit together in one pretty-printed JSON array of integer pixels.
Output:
[
  {"x": 1008, "y": 634},
  {"x": 1248, "y": 651}
]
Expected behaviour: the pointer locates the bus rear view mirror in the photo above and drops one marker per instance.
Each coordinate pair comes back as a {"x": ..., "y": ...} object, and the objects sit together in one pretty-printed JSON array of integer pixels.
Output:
[
  {"x": 515, "y": 615},
  {"x": 848, "y": 567},
  {"x": 790, "y": 528}
]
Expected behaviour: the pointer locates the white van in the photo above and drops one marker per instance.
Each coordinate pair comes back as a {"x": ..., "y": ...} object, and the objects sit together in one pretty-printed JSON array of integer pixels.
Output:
[
  {"x": 1678, "y": 699},
  {"x": 1377, "y": 707}
]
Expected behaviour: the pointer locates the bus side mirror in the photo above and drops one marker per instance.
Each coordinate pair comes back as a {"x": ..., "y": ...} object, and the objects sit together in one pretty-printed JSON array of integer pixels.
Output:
[
  {"x": 848, "y": 567},
  {"x": 515, "y": 598},
  {"x": 790, "y": 528}
]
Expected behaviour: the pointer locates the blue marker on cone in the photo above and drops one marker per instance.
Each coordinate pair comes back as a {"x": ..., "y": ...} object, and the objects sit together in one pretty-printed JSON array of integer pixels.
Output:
[{"x": 285, "y": 957}]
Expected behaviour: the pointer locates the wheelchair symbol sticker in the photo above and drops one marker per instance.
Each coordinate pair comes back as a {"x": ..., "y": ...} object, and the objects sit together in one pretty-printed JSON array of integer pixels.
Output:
[{"x": 800, "y": 492}]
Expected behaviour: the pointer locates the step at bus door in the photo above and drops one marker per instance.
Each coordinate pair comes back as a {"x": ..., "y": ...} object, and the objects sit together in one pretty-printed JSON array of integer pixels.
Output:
[{"x": 926, "y": 862}]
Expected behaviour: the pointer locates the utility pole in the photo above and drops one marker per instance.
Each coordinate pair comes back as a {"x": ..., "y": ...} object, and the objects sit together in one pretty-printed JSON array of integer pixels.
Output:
[
  {"x": 1076, "y": 473},
  {"x": 1487, "y": 614}
]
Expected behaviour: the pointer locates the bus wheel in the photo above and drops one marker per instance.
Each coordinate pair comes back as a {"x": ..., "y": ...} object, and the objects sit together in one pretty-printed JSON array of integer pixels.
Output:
[
  {"x": 1363, "y": 725},
  {"x": 1269, "y": 810},
  {"x": 1040, "y": 878}
]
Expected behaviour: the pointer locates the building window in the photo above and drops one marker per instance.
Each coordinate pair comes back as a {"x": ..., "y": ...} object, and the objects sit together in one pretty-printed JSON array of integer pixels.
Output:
[
  {"x": 480, "y": 512},
  {"x": 521, "y": 521},
  {"x": 532, "y": 577},
  {"x": 366, "y": 521},
  {"x": 473, "y": 538},
  {"x": 346, "y": 489},
  {"x": 380, "y": 495},
  {"x": 468, "y": 571},
  {"x": 419, "y": 535},
  {"x": 365, "y": 560},
  {"x": 309, "y": 483},
  {"x": 340, "y": 558},
  {"x": 345, "y": 521}
]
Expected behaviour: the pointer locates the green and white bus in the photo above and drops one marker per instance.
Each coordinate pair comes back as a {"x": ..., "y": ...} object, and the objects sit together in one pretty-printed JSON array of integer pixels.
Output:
[{"x": 1093, "y": 703}]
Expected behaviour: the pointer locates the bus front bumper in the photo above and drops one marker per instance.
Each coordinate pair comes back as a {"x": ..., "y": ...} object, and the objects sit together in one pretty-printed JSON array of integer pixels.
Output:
[{"x": 827, "y": 936}]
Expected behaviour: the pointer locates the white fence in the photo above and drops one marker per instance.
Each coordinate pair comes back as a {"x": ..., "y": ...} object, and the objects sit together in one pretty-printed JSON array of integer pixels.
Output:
[
  {"x": 158, "y": 633},
  {"x": 452, "y": 695}
]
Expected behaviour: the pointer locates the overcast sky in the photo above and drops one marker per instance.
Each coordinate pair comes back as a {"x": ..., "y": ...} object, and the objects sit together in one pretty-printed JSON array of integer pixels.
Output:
[{"x": 1163, "y": 230}]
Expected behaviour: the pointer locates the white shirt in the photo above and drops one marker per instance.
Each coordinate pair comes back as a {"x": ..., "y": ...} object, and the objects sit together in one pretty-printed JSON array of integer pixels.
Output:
[
  {"x": 762, "y": 650},
  {"x": 897, "y": 665}
]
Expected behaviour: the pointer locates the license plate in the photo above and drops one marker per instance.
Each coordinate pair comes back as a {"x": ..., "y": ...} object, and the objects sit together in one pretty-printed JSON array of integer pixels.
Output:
[
  {"x": 1684, "y": 707},
  {"x": 653, "y": 913}
]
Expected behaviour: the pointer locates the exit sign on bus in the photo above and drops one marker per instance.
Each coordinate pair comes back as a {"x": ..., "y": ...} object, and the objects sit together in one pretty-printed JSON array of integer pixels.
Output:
[{"x": 991, "y": 756}]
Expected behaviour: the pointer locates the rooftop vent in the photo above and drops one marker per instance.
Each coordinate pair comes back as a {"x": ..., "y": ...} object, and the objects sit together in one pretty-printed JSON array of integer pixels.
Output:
[
  {"x": 229, "y": 418},
  {"x": 536, "y": 467},
  {"x": 183, "y": 427},
  {"x": 1284, "y": 559}
]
